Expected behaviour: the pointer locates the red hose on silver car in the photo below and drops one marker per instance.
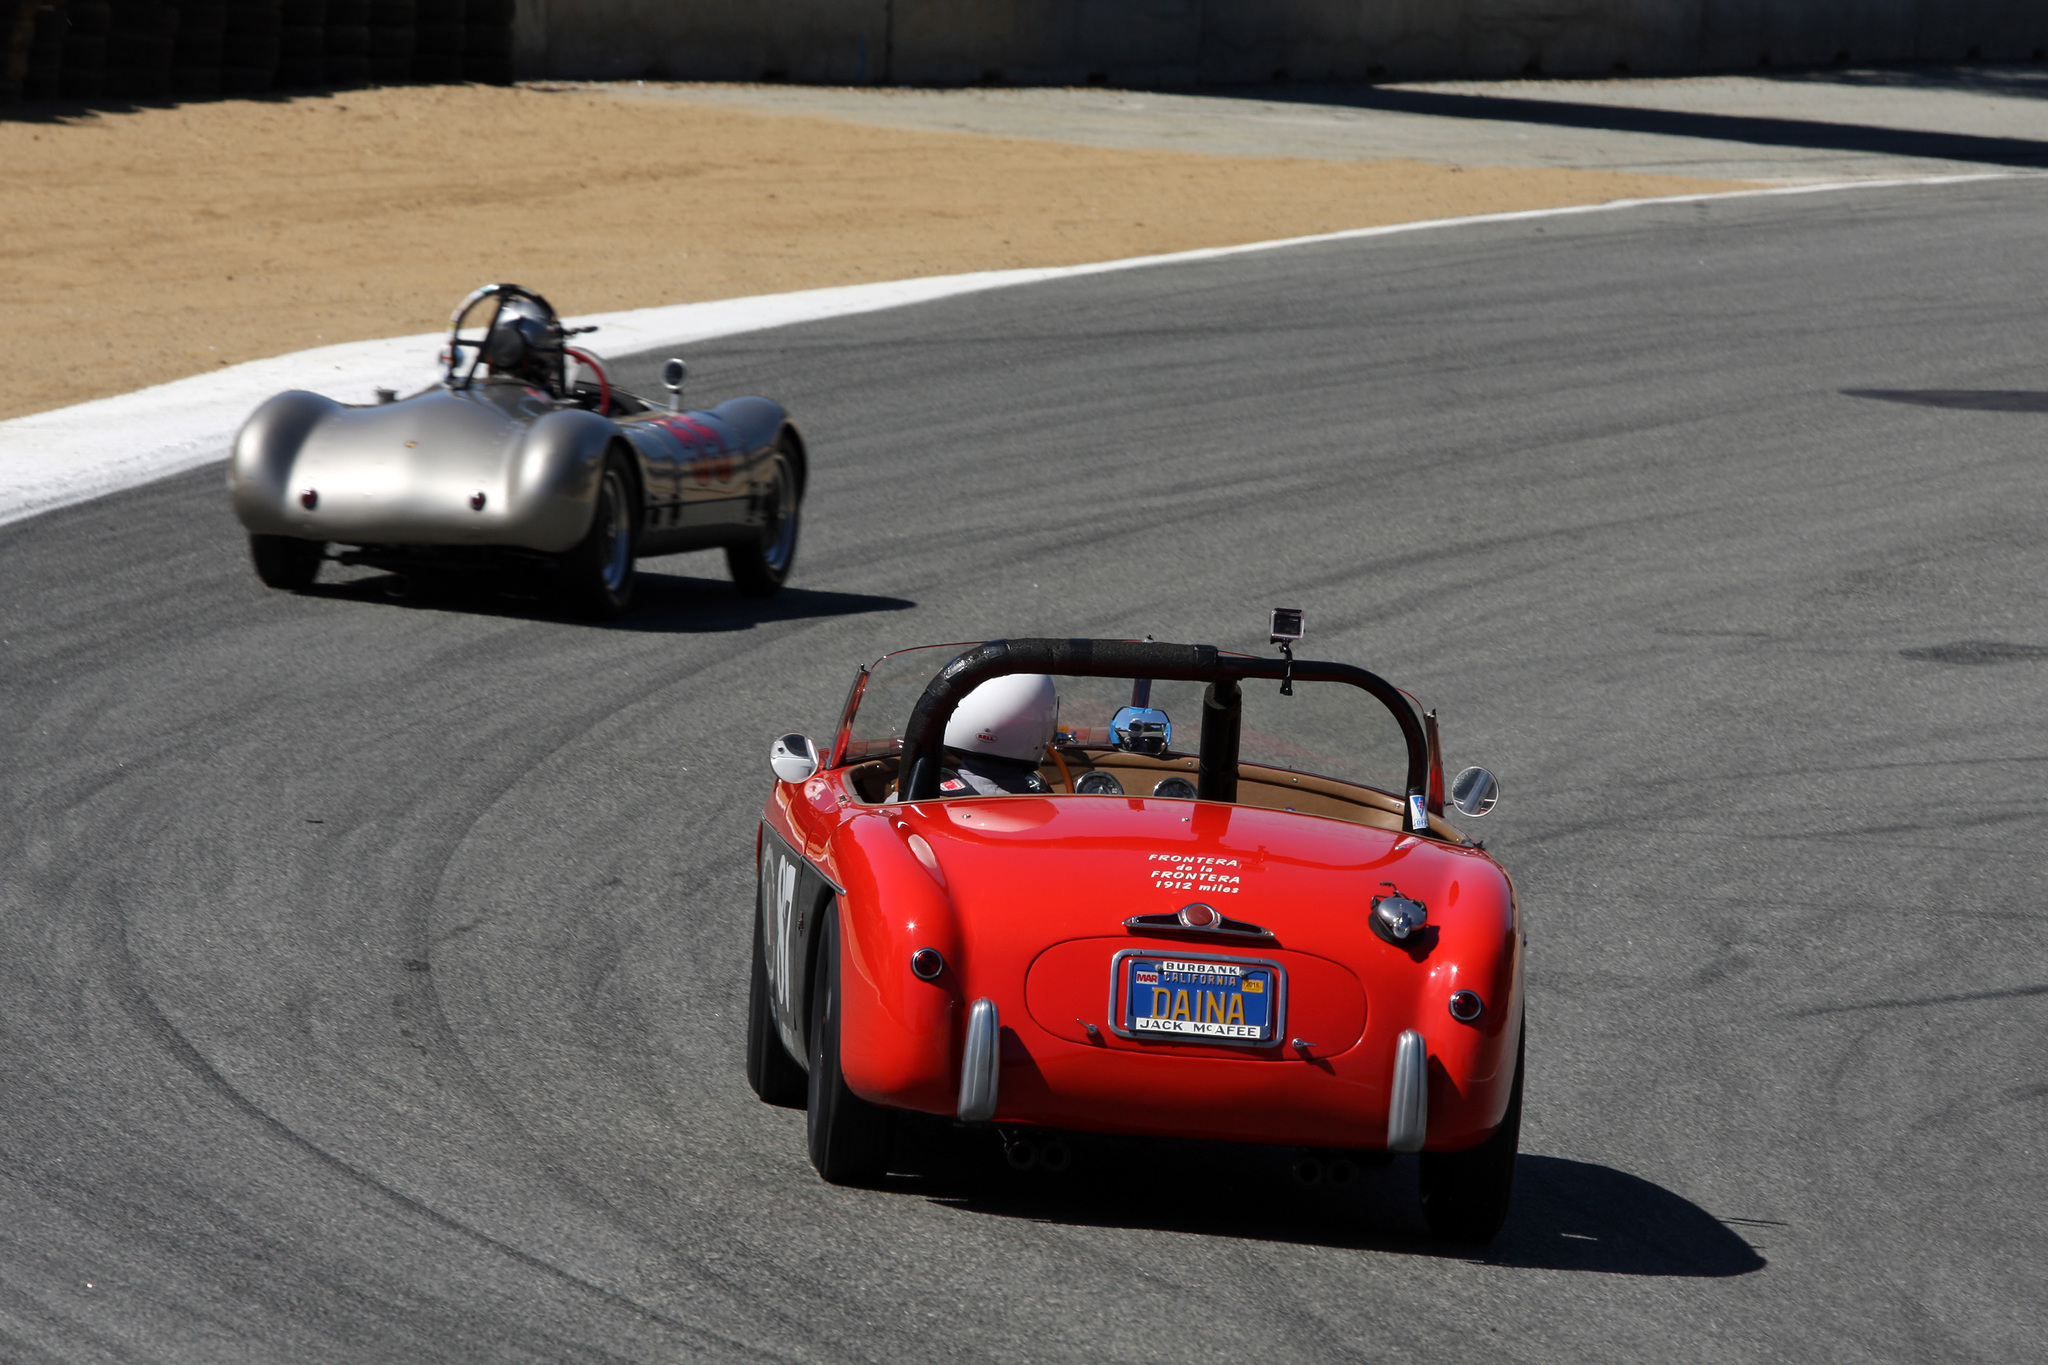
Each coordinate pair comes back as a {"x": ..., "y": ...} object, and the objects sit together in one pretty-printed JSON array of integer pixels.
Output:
[{"x": 604, "y": 384}]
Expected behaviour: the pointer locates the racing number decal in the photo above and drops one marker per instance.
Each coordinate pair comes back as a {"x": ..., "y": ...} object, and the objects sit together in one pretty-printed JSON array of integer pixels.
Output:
[
  {"x": 708, "y": 459},
  {"x": 790, "y": 888},
  {"x": 778, "y": 909},
  {"x": 785, "y": 909}
]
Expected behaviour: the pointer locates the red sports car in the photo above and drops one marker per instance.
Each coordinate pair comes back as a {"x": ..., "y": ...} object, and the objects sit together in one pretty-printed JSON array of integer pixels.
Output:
[{"x": 1103, "y": 886}]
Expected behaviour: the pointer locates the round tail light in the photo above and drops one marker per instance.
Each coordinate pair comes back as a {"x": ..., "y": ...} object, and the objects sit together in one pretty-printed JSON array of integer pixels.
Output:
[
  {"x": 926, "y": 964},
  {"x": 309, "y": 498},
  {"x": 476, "y": 501},
  {"x": 1466, "y": 1006},
  {"x": 1196, "y": 915}
]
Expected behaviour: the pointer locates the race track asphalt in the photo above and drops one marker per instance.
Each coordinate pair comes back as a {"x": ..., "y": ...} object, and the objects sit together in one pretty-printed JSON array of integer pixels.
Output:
[{"x": 372, "y": 970}]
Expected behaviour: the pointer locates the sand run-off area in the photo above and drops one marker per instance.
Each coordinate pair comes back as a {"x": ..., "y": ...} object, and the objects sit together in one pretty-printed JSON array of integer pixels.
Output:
[{"x": 138, "y": 247}]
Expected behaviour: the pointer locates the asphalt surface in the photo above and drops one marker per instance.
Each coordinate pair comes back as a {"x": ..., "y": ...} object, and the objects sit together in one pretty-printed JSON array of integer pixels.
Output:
[
  {"x": 1841, "y": 123},
  {"x": 372, "y": 970}
]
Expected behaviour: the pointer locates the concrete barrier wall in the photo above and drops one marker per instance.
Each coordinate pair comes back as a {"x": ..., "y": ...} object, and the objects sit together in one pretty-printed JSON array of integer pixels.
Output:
[{"x": 1189, "y": 42}]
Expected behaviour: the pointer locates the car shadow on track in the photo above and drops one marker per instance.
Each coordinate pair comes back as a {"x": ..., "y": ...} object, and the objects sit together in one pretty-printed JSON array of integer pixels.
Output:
[
  {"x": 1567, "y": 1215},
  {"x": 1972, "y": 400},
  {"x": 699, "y": 606},
  {"x": 663, "y": 603}
]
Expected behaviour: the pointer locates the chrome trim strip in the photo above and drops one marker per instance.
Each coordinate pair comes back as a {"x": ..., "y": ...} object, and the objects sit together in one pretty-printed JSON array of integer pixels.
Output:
[
  {"x": 980, "y": 1063},
  {"x": 1170, "y": 924},
  {"x": 1408, "y": 1102}
]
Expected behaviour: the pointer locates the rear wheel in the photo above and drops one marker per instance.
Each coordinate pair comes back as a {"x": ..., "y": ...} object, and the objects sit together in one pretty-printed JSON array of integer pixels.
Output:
[
  {"x": 771, "y": 1071},
  {"x": 849, "y": 1137},
  {"x": 1465, "y": 1194},
  {"x": 286, "y": 561},
  {"x": 760, "y": 567},
  {"x": 597, "y": 573}
]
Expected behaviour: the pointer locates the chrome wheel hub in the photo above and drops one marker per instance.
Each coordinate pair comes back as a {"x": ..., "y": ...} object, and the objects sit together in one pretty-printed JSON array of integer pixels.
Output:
[
  {"x": 618, "y": 544},
  {"x": 779, "y": 531}
]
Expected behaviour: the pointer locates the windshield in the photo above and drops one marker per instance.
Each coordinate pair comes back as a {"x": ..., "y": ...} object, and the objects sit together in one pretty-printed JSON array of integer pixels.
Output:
[
  {"x": 894, "y": 683},
  {"x": 1325, "y": 729}
]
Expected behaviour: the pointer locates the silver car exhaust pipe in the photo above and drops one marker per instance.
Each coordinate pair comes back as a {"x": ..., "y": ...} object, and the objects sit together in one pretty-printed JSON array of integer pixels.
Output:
[
  {"x": 980, "y": 1063},
  {"x": 1408, "y": 1106}
]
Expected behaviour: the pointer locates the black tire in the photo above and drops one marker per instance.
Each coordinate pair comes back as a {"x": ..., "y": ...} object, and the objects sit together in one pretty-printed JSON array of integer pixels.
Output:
[
  {"x": 849, "y": 1138},
  {"x": 597, "y": 573},
  {"x": 1465, "y": 1195},
  {"x": 286, "y": 561},
  {"x": 771, "y": 1071},
  {"x": 760, "y": 567}
]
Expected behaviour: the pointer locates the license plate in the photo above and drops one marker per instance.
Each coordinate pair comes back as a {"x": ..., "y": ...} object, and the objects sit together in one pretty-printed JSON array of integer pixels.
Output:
[{"x": 1198, "y": 998}]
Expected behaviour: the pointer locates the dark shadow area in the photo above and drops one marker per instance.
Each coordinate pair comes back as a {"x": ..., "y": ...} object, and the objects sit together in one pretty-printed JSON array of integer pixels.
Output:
[
  {"x": 56, "y": 111},
  {"x": 673, "y": 602},
  {"x": 662, "y": 602},
  {"x": 1753, "y": 131},
  {"x": 2030, "y": 82},
  {"x": 1567, "y": 1215},
  {"x": 1575, "y": 1215},
  {"x": 53, "y": 112},
  {"x": 1970, "y": 400},
  {"x": 1978, "y": 652}
]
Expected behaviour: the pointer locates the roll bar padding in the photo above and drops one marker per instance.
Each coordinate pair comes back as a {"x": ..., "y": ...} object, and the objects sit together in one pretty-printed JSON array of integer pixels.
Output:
[{"x": 924, "y": 737}]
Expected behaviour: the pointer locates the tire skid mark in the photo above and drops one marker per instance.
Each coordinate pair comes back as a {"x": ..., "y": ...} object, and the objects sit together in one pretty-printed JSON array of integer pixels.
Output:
[{"x": 125, "y": 982}]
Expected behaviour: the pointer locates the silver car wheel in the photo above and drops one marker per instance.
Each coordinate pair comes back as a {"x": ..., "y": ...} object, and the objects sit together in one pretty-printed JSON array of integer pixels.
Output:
[{"x": 618, "y": 545}]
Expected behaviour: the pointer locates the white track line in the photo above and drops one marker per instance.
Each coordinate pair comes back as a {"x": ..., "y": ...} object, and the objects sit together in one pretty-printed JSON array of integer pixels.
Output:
[{"x": 54, "y": 459}]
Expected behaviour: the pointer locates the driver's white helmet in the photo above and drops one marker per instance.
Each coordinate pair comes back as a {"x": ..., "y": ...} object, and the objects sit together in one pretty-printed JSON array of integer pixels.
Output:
[{"x": 1009, "y": 717}]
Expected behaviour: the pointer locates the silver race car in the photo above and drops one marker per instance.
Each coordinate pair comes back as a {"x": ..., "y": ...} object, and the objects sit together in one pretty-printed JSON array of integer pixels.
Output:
[{"x": 515, "y": 462}]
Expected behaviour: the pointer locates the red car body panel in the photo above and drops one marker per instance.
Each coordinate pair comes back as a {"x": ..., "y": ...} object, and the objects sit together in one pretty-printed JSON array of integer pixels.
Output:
[{"x": 1026, "y": 897}]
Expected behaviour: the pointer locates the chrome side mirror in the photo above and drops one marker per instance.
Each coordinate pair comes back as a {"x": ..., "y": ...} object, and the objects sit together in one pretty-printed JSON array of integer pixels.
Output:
[
  {"x": 793, "y": 757},
  {"x": 1474, "y": 791},
  {"x": 1141, "y": 730},
  {"x": 673, "y": 373}
]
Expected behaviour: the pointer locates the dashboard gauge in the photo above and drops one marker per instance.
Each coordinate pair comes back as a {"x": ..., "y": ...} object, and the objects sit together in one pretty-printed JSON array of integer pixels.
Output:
[
  {"x": 1099, "y": 783},
  {"x": 1176, "y": 788}
]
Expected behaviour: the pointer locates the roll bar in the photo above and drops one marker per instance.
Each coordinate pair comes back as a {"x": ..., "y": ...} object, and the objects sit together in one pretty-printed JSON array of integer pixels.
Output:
[
  {"x": 501, "y": 292},
  {"x": 924, "y": 737}
]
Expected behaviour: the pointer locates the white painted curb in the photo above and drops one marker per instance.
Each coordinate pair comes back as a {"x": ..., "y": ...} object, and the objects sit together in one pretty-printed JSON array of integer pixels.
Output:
[{"x": 54, "y": 459}]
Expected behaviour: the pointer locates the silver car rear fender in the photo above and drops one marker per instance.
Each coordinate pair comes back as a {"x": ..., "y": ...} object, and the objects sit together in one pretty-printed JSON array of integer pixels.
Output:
[
  {"x": 409, "y": 473},
  {"x": 265, "y": 451},
  {"x": 552, "y": 488}
]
